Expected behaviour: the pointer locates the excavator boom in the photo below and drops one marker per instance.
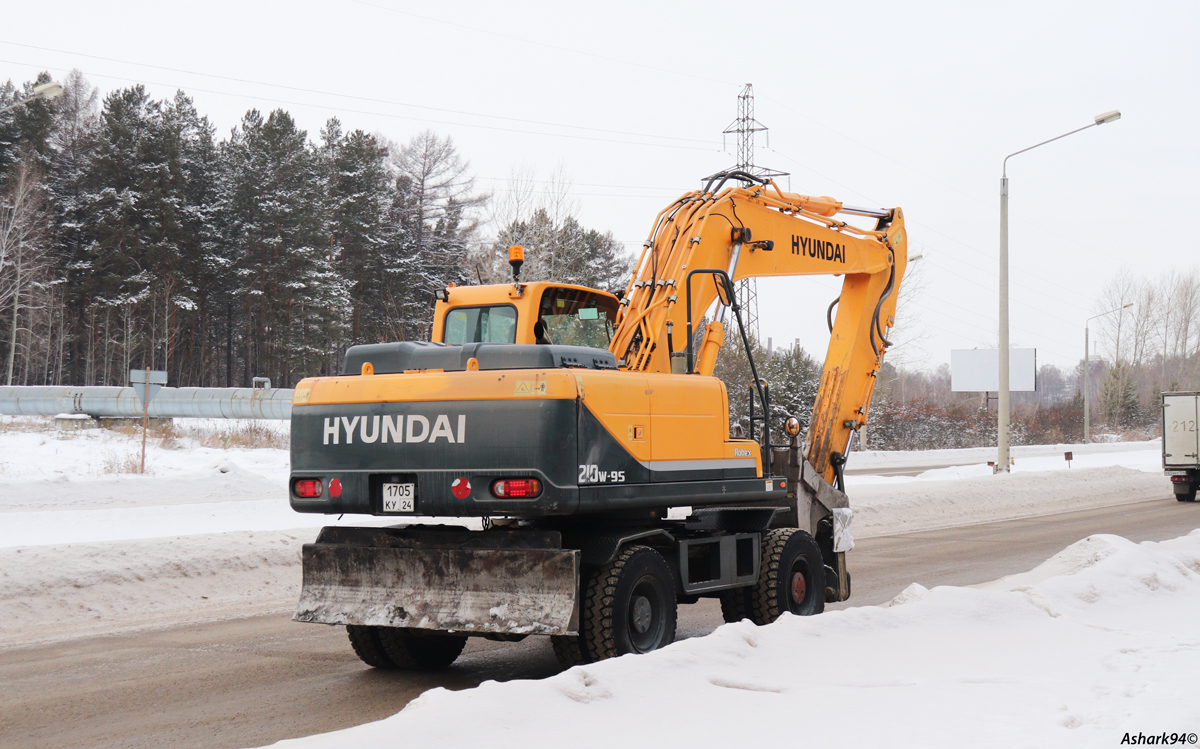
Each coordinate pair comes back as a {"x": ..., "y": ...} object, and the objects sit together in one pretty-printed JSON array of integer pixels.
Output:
[{"x": 757, "y": 230}]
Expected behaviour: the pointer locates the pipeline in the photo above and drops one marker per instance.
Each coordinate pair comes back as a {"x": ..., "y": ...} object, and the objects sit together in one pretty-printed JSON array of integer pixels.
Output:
[{"x": 123, "y": 402}]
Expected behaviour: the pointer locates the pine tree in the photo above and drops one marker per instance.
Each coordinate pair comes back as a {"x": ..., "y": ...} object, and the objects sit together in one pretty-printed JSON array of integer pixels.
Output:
[
  {"x": 1118, "y": 397},
  {"x": 287, "y": 291},
  {"x": 110, "y": 273},
  {"x": 566, "y": 253},
  {"x": 792, "y": 375},
  {"x": 357, "y": 187},
  {"x": 190, "y": 268}
]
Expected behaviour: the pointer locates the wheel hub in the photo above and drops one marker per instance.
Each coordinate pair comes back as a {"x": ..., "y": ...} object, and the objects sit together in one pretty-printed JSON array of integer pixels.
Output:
[
  {"x": 799, "y": 587},
  {"x": 640, "y": 614}
]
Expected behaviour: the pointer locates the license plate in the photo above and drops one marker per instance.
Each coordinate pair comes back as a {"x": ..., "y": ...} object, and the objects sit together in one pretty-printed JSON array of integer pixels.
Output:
[{"x": 399, "y": 497}]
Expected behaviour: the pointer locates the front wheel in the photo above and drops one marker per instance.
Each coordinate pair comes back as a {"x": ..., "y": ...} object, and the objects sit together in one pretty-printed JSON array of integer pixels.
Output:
[
  {"x": 393, "y": 647},
  {"x": 791, "y": 578},
  {"x": 629, "y": 605}
]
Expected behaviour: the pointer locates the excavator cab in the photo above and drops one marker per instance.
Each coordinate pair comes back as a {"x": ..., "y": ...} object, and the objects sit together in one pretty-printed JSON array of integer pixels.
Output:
[{"x": 509, "y": 313}]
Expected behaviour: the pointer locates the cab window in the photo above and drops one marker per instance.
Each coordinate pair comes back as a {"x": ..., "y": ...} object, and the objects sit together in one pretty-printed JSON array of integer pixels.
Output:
[
  {"x": 575, "y": 317},
  {"x": 496, "y": 324}
]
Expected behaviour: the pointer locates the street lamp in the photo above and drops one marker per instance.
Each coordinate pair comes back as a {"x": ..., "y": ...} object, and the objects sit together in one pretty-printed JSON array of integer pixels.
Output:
[
  {"x": 44, "y": 91},
  {"x": 1087, "y": 369},
  {"x": 1003, "y": 462}
]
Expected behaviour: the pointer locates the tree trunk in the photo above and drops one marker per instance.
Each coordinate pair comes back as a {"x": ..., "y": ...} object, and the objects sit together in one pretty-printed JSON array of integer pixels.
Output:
[{"x": 12, "y": 340}]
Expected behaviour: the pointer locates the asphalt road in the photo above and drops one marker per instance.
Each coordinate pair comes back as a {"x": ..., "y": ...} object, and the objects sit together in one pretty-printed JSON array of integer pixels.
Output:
[{"x": 254, "y": 681}]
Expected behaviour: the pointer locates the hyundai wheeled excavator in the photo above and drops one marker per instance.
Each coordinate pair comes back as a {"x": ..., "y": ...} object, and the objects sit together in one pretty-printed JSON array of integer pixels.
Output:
[{"x": 567, "y": 421}]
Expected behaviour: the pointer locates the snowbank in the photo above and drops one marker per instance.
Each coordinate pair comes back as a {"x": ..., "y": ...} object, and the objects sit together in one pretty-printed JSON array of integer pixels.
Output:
[
  {"x": 52, "y": 592},
  {"x": 887, "y": 508},
  {"x": 1026, "y": 457},
  {"x": 1096, "y": 643}
]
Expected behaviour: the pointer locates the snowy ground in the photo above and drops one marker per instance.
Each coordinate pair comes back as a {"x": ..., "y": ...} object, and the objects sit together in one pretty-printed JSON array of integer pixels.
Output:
[
  {"x": 208, "y": 533},
  {"x": 1097, "y": 643},
  {"x": 1141, "y": 455},
  {"x": 1094, "y": 643}
]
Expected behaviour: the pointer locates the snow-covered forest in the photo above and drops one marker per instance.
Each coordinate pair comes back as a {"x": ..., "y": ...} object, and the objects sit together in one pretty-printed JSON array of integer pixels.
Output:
[{"x": 131, "y": 236}]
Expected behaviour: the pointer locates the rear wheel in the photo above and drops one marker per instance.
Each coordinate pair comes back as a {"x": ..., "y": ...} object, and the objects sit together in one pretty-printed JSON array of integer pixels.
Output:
[
  {"x": 418, "y": 650},
  {"x": 791, "y": 578},
  {"x": 735, "y": 605},
  {"x": 570, "y": 650},
  {"x": 366, "y": 644},
  {"x": 629, "y": 605},
  {"x": 1189, "y": 495}
]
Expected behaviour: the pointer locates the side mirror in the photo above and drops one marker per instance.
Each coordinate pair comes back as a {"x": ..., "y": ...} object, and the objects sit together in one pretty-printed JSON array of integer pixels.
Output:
[{"x": 724, "y": 289}]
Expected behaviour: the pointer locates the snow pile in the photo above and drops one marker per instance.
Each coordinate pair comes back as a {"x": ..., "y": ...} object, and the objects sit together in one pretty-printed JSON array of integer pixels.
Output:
[
  {"x": 888, "y": 508},
  {"x": 51, "y": 592},
  {"x": 1143, "y": 455},
  {"x": 1096, "y": 643}
]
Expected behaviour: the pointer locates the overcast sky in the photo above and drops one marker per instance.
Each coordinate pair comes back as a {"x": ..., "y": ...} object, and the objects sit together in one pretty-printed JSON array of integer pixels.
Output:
[{"x": 875, "y": 103}]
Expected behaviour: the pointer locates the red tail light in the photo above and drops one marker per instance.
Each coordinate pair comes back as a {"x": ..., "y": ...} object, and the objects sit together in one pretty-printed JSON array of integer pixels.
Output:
[
  {"x": 516, "y": 488},
  {"x": 308, "y": 488}
]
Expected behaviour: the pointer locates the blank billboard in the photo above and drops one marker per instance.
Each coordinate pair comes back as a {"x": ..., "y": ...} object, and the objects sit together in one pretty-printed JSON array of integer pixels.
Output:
[{"x": 977, "y": 370}]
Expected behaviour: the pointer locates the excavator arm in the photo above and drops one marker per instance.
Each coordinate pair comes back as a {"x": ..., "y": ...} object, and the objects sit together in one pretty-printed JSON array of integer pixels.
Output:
[{"x": 757, "y": 230}]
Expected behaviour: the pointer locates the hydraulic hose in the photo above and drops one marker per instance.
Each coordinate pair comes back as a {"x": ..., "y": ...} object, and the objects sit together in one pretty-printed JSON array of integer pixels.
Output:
[{"x": 887, "y": 292}]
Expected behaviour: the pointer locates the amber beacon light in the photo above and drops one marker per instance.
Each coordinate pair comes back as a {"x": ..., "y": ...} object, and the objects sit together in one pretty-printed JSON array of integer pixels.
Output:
[{"x": 516, "y": 258}]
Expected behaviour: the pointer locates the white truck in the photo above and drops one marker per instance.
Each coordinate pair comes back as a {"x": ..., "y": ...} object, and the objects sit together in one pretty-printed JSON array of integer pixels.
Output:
[{"x": 1181, "y": 443}]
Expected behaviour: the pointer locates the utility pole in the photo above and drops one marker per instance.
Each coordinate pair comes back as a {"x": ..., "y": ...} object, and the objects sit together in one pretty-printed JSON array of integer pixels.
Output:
[{"x": 744, "y": 127}]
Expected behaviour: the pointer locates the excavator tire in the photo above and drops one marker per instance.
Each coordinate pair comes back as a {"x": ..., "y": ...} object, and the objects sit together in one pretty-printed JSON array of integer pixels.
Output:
[
  {"x": 569, "y": 650},
  {"x": 735, "y": 605},
  {"x": 424, "y": 652},
  {"x": 791, "y": 578},
  {"x": 366, "y": 644},
  {"x": 629, "y": 605}
]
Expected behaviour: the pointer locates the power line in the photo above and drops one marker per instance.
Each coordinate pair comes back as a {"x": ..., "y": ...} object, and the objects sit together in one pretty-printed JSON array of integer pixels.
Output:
[
  {"x": 343, "y": 109},
  {"x": 946, "y": 185},
  {"x": 547, "y": 45},
  {"x": 338, "y": 94},
  {"x": 930, "y": 228},
  {"x": 672, "y": 190},
  {"x": 959, "y": 334}
]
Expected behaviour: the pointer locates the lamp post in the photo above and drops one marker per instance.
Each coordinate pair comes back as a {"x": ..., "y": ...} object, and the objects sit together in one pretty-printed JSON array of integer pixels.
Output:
[
  {"x": 44, "y": 91},
  {"x": 1002, "y": 462},
  {"x": 1087, "y": 370}
]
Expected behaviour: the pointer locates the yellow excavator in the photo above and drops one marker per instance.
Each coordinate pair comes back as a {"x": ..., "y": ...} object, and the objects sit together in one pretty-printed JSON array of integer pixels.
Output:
[{"x": 571, "y": 421}]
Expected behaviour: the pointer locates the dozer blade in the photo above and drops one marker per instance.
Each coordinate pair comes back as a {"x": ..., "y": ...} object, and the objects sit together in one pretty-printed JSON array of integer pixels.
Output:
[{"x": 503, "y": 591}]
